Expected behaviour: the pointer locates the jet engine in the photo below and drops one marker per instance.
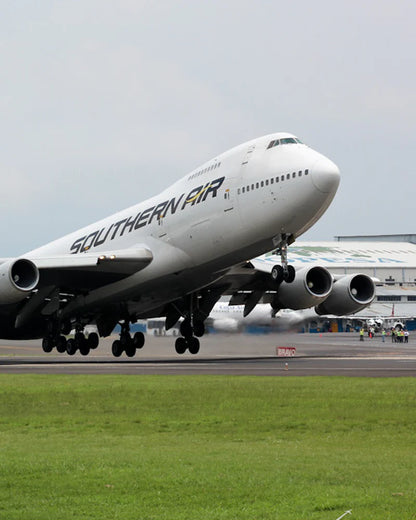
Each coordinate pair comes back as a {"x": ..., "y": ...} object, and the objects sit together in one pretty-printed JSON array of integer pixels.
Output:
[
  {"x": 350, "y": 294},
  {"x": 17, "y": 279},
  {"x": 310, "y": 287}
]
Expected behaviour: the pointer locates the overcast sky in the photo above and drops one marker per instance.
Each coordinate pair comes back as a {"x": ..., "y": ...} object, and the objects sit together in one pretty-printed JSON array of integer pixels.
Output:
[{"x": 105, "y": 103}]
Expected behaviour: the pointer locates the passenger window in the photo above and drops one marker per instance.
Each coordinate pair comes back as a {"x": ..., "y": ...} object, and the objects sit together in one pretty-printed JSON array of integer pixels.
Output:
[
  {"x": 300, "y": 174},
  {"x": 294, "y": 175},
  {"x": 248, "y": 188},
  {"x": 282, "y": 178},
  {"x": 243, "y": 190},
  {"x": 306, "y": 172},
  {"x": 257, "y": 185},
  {"x": 271, "y": 180},
  {"x": 267, "y": 182},
  {"x": 262, "y": 184},
  {"x": 277, "y": 179},
  {"x": 238, "y": 191},
  {"x": 288, "y": 176},
  {"x": 252, "y": 186}
]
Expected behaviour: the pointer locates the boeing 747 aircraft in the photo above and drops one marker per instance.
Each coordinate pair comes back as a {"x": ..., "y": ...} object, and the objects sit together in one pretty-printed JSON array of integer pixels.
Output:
[{"x": 175, "y": 254}]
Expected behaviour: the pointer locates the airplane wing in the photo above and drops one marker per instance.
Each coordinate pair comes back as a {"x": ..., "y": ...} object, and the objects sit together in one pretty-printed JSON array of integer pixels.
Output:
[
  {"x": 20, "y": 278},
  {"x": 78, "y": 273}
]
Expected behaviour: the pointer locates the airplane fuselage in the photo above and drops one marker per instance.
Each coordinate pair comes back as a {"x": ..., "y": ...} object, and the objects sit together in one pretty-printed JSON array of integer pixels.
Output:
[{"x": 230, "y": 209}]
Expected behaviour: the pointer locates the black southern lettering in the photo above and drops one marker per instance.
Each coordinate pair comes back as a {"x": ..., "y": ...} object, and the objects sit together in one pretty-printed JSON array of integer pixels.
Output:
[
  {"x": 142, "y": 221},
  {"x": 76, "y": 246},
  {"x": 129, "y": 224},
  {"x": 158, "y": 211},
  {"x": 98, "y": 241},
  {"x": 90, "y": 238},
  {"x": 116, "y": 226}
]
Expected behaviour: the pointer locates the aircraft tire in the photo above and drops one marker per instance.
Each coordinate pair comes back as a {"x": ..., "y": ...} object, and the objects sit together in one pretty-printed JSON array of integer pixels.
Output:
[
  {"x": 130, "y": 350},
  {"x": 47, "y": 344},
  {"x": 277, "y": 274},
  {"x": 291, "y": 274},
  {"x": 84, "y": 348},
  {"x": 93, "y": 340},
  {"x": 61, "y": 344},
  {"x": 181, "y": 345},
  {"x": 71, "y": 347},
  {"x": 193, "y": 345},
  {"x": 138, "y": 339},
  {"x": 117, "y": 348},
  {"x": 199, "y": 328}
]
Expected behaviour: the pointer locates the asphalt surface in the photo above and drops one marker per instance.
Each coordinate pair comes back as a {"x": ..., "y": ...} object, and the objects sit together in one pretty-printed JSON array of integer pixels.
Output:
[{"x": 233, "y": 354}]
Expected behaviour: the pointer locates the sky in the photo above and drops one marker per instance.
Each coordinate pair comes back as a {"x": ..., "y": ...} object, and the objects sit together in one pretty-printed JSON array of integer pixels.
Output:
[{"x": 104, "y": 104}]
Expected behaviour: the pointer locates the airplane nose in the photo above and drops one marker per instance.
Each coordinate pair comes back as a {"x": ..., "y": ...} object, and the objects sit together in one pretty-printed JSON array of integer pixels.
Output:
[{"x": 325, "y": 175}]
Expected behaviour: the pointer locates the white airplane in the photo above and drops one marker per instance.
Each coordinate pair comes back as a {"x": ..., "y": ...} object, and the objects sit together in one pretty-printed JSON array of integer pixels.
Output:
[
  {"x": 230, "y": 318},
  {"x": 175, "y": 254}
]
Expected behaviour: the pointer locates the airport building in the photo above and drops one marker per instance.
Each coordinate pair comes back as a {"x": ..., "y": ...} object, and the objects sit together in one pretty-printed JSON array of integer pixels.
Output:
[{"x": 389, "y": 259}]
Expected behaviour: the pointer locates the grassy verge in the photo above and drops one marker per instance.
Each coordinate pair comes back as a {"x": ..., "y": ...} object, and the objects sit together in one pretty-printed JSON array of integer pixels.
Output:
[{"x": 159, "y": 447}]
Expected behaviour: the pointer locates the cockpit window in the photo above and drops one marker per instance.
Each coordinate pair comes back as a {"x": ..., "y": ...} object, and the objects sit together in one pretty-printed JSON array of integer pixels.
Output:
[{"x": 284, "y": 140}]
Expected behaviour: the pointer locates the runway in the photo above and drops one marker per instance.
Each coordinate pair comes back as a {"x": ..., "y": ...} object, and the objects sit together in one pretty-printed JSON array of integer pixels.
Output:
[{"x": 329, "y": 354}]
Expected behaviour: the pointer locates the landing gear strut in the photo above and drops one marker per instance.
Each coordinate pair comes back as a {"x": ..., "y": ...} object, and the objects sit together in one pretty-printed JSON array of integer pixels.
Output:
[{"x": 283, "y": 272}]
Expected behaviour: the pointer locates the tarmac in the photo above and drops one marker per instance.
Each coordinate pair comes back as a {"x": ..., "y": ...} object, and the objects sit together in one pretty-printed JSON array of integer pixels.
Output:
[{"x": 329, "y": 354}]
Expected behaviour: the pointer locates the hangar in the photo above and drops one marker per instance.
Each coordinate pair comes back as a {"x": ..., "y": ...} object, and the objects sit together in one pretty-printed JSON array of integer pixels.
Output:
[{"x": 389, "y": 259}]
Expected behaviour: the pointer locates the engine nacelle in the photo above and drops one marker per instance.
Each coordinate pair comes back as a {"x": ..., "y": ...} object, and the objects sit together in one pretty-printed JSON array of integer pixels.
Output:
[
  {"x": 350, "y": 294},
  {"x": 17, "y": 279},
  {"x": 310, "y": 287}
]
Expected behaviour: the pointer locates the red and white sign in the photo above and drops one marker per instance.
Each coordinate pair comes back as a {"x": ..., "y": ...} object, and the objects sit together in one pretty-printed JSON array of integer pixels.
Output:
[{"x": 285, "y": 351}]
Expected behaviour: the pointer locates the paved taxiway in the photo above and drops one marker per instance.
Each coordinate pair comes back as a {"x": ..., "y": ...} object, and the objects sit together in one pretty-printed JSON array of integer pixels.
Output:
[{"x": 237, "y": 354}]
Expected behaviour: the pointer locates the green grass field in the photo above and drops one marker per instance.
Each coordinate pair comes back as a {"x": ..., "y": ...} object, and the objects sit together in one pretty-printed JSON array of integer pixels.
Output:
[{"x": 156, "y": 447}]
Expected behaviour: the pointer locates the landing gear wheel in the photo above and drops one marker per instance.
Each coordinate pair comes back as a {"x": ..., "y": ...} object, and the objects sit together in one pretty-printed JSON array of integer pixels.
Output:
[
  {"x": 84, "y": 348},
  {"x": 290, "y": 274},
  {"x": 277, "y": 274},
  {"x": 61, "y": 344},
  {"x": 130, "y": 350},
  {"x": 186, "y": 328},
  {"x": 181, "y": 345},
  {"x": 93, "y": 340},
  {"x": 193, "y": 345},
  {"x": 71, "y": 347},
  {"x": 117, "y": 348},
  {"x": 138, "y": 339},
  {"x": 47, "y": 344},
  {"x": 199, "y": 328}
]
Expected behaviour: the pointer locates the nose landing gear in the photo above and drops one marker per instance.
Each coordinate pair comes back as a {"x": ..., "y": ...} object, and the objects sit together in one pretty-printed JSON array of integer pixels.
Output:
[{"x": 283, "y": 273}]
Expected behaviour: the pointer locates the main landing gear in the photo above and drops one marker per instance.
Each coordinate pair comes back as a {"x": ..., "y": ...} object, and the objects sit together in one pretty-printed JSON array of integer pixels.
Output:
[
  {"x": 79, "y": 342},
  {"x": 127, "y": 343},
  {"x": 191, "y": 330}
]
